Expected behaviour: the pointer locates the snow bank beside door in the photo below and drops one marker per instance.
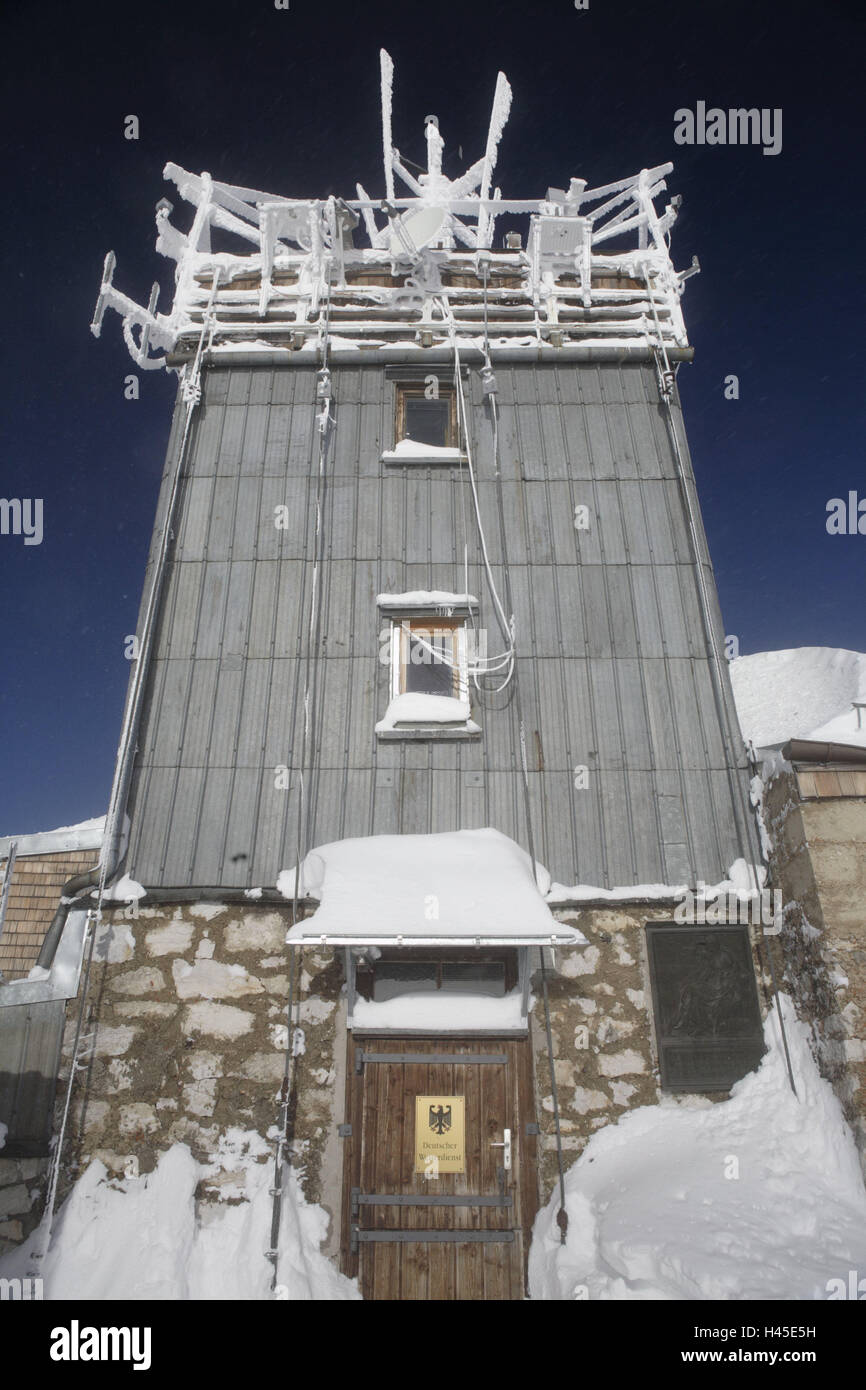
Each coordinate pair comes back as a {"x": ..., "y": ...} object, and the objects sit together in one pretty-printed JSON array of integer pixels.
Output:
[
  {"x": 140, "y": 1239},
  {"x": 756, "y": 1197}
]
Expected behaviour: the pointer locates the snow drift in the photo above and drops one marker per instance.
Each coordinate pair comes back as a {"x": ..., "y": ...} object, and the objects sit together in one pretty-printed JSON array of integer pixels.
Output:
[
  {"x": 140, "y": 1239},
  {"x": 756, "y": 1197}
]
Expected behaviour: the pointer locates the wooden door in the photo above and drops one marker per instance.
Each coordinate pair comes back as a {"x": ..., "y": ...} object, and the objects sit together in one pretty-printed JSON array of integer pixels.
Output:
[{"x": 460, "y": 1235}]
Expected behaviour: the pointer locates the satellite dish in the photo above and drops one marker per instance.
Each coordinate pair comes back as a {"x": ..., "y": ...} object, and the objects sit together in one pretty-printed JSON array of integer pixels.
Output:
[{"x": 421, "y": 226}]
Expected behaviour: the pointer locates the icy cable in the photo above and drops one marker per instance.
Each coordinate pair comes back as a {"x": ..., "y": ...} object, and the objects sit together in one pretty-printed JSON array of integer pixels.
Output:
[
  {"x": 506, "y": 624},
  {"x": 306, "y": 790},
  {"x": 490, "y": 392},
  {"x": 286, "y": 1116},
  {"x": 562, "y": 1214}
]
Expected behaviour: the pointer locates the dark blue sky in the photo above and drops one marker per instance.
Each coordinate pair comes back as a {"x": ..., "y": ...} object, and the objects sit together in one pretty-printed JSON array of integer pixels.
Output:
[{"x": 288, "y": 101}]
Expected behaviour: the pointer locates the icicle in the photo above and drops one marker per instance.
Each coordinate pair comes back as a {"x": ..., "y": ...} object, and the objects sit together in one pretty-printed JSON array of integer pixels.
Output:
[{"x": 387, "y": 70}]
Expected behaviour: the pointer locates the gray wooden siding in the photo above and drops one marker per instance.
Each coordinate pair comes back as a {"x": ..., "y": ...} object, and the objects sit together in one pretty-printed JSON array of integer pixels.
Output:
[{"x": 613, "y": 667}]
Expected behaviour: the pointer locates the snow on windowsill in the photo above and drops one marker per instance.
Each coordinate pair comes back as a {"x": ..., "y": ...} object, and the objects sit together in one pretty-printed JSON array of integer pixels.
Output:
[
  {"x": 443, "y": 1012},
  {"x": 426, "y": 598},
  {"x": 414, "y": 710},
  {"x": 411, "y": 451}
]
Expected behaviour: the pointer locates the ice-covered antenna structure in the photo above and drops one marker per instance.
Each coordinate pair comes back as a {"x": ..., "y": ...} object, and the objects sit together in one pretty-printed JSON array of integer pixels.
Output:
[
  {"x": 386, "y": 70},
  {"x": 498, "y": 117},
  {"x": 591, "y": 273}
]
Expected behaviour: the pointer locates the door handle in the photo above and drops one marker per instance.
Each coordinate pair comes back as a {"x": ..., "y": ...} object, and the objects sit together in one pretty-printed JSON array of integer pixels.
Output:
[{"x": 506, "y": 1146}]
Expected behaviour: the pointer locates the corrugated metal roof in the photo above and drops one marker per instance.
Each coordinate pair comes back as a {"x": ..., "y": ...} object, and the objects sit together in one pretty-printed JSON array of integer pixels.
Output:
[{"x": 613, "y": 665}]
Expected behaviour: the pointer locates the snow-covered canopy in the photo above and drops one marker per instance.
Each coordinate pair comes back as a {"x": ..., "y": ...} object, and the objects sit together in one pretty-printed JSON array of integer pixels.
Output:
[
  {"x": 462, "y": 886},
  {"x": 592, "y": 270},
  {"x": 802, "y": 692}
]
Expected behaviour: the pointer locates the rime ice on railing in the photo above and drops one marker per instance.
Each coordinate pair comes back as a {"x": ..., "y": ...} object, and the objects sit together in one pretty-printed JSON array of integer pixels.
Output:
[{"x": 595, "y": 270}]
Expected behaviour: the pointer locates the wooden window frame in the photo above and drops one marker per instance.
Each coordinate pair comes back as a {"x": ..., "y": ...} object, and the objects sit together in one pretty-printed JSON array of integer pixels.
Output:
[
  {"x": 431, "y": 625},
  {"x": 436, "y": 957},
  {"x": 415, "y": 389}
]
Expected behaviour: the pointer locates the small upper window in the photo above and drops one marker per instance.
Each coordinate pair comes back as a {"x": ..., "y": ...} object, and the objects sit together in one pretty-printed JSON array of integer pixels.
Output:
[
  {"x": 431, "y": 657},
  {"x": 425, "y": 427},
  {"x": 427, "y": 421}
]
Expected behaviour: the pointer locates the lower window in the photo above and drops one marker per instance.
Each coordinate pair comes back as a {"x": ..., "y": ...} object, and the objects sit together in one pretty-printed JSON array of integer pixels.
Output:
[{"x": 489, "y": 973}]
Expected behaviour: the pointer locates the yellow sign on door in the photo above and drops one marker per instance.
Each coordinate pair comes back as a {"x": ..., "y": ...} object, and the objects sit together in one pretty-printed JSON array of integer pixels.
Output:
[{"x": 440, "y": 1134}]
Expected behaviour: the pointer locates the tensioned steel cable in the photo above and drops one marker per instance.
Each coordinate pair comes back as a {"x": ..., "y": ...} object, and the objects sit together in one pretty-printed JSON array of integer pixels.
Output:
[
  {"x": 306, "y": 794},
  {"x": 491, "y": 387}
]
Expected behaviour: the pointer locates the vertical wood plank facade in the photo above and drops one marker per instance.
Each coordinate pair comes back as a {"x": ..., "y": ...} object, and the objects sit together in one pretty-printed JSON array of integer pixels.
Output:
[{"x": 380, "y": 1162}]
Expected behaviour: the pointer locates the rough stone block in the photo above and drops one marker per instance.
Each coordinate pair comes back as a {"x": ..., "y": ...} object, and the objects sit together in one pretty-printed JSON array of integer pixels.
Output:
[
  {"x": 114, "y": 1042},
  {"x": 219, "y": 1020},
  {"x": 268, "y": 1067},
  {"x": 143, "y": 981},
  {"x": 137, "y": 1118},
  {"x": 209, "y": 979},
  {"x": 171, "y": 940},
  {"x": 626, "y": 1063},
  {"x": 257, "y": 932},
  {"x": 315, "y": 1010},
  {"x": 14, "y": 1201},
  {"x": 199, "y": 1097},
  {"x": 145, "y": 1008},
  {"x": 585, "y": 1100},
  {"x": 115, "y": 943},
  {"x": 579, "y": 962}
]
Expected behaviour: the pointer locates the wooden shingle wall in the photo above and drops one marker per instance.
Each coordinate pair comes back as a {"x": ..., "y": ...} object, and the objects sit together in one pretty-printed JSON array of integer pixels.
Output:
[
  {"x": 831, "y": 781},
  {"x": 34, "y": 896}
]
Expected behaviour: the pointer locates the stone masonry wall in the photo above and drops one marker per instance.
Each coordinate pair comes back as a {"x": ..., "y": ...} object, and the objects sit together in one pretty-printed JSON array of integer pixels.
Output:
[
  {"x": 186, "y": 1039},
  {"x": 819, "y": 861},
  {"x": 22, "y": 1185},
  {"x": 185, "y": 1028}
]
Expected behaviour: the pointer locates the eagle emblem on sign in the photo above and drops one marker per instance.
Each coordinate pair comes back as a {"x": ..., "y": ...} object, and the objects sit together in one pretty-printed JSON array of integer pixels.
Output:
[{"x": 440, "y": 1119}]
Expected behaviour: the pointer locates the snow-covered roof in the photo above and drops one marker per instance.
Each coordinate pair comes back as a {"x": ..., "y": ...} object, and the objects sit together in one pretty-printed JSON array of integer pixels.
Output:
[
  {"x": 86, "y": 835},
  {"x": 463, "y": 886},
  {"x": 801, "y": 692},
  {"x": 593, "y": 274}
]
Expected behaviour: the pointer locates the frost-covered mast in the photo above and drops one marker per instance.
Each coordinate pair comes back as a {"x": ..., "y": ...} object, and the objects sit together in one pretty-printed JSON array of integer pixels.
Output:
[{"x": 595, "y": 271}]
